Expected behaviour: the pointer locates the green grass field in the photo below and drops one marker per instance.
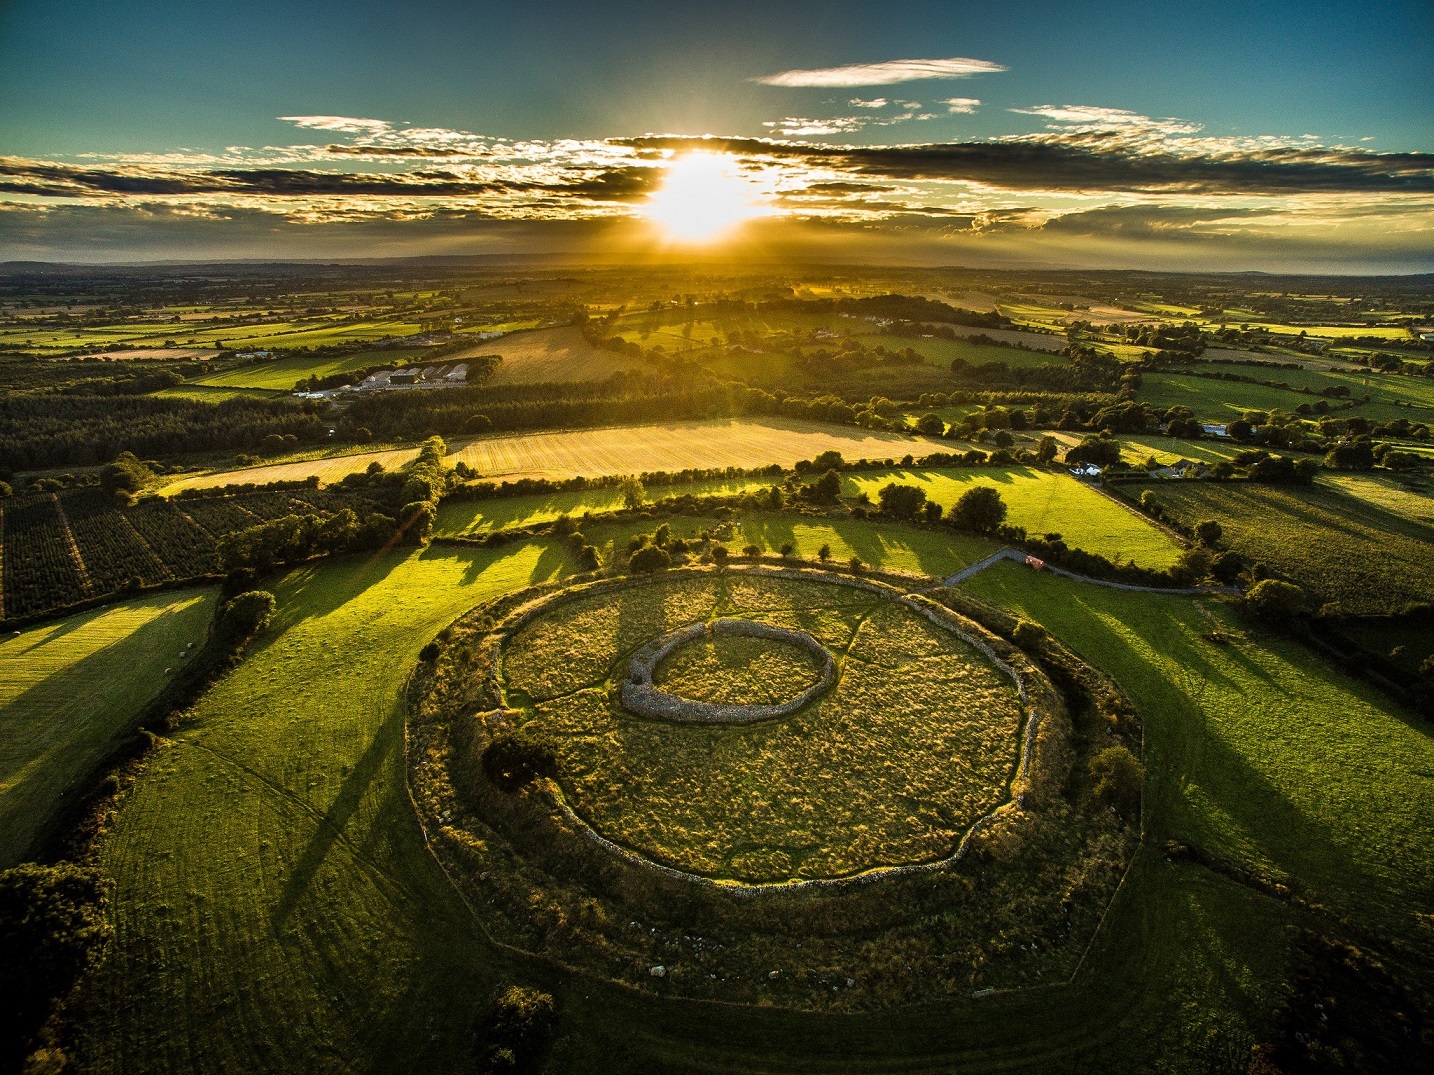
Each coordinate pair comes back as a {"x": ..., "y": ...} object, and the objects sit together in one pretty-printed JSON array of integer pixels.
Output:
[
  {"x": 1409, "y": 497},
  {"x": 1338, "y": 547},
  {"x": 69, "y": 693},
  {"x": 940, "y": 352},
  {"x": 462, "y": 518},
  {"x": 283, "y": 373},
  {"x": 1257, "y": 750},
  {"x": 1042, "y": 502},
  {"x": 1224, "y": 400}
]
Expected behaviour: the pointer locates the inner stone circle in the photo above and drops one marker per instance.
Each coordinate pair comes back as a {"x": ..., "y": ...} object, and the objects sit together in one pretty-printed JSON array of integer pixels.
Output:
[{"x": 641, "y": 696}]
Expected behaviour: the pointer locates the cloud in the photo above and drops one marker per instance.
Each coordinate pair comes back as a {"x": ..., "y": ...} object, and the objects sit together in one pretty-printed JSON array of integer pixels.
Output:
[
  {"x": 964, "y": 105},
  {"x": 875, "y": 102},
  {"x": 800, "y": 127},
  {"x": 1090, "y": 163},
  {"x": 1095, "y": 117},
  {"x": 343, "y": 124},
  {"x": 888, "y": 73}
]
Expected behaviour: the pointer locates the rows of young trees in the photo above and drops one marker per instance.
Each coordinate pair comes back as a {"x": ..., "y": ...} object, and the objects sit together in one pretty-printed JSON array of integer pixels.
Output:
[{"x": 61, "y": 550}]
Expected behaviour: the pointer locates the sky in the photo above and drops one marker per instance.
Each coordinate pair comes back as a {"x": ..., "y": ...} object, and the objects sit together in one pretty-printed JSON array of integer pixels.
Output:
[{"x": 1290, "y": 136}]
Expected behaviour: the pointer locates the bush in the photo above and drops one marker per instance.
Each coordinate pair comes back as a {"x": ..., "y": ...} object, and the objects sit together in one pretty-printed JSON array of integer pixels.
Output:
[
  {"x": 719, "y": 555},
  {"x": 513, "y": 760},
  {"x": 980, "y": 510},
  {"x": 520, "y": 1026},
  {"x": 650, "y": 558},
  {"x": 246, "y": 615},
  {"x": 429, "y": 653},
  {"x": 1028, "y": 635},
  {"x": 1116, "y": 777},
  {"x": 930, "y": 425}
]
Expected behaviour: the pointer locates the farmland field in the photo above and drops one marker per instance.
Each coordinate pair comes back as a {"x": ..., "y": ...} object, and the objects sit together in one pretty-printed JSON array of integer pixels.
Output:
[
  {"x": 545, "y": 356},
  {"x": 69, "y": 691},
  {"x": 1224, "y": 400},
  {"x": 1042, "y": 502},
  {"x": 1403, "y": 498},
  {"x": 619, "y": 450},
  {"x": 1339, "y": 548}
]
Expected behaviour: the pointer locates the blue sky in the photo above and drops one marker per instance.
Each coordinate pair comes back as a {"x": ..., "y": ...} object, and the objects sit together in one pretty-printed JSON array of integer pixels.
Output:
[{"x": 114, "y": 84}]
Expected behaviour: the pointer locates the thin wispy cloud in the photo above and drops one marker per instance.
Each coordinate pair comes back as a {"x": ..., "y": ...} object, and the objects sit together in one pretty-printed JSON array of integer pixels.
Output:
[
  {"x": 888, "y": 73},
  {"x": 875, "y": 102},
  {"x": 1096, "y": 117},
  {"x": 343, "y": 124},
  {"x": 963, "y": 105}
]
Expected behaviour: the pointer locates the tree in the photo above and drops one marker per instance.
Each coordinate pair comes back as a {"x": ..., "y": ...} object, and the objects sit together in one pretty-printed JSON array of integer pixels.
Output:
[
  {"x": 930, "y": 425},
  {"x": 776, "y": 500},
  {"x": 1116, "y": 778},
  {"x": 787, "y": 550},
  {"x": 827, "y": 488},
  {"x": 1208, "y": 533},
  {"x": 514, "y": 760},
  {"x": 824, "y": 553},
  {"x": 1352, "y": 455},
  {"x": 246, "y": 615},
  {"x": 751, "y": 552},
  {"x": 125, "y": 476},
  {"x": 901, "y": 501},
  {"x": 1046, "y": 449},
  {"x": 633, "y": 494},
  {"x": 650, "y": 558},
  {"x": 1272, "y": 599},
  {"x": 980, "y": 510},
  {"x": 52, "y": 927},
  {"x": 418, "y": 518},
  {"x": 719, "y": 555},
  {"x": 1102, "y": 451}
]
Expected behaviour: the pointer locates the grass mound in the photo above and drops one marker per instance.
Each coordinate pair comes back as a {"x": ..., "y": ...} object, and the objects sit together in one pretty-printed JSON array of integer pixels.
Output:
[{"x": 733, "y": 670}]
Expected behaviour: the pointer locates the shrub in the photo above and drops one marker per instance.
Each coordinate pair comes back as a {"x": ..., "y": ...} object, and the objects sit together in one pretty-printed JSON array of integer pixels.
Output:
[
  {"x": 1116, "y": 777},
  {"x": 650, "y": 558},
  {"x": 429, "y": 653},
  {"x": 751, "y": 552},
  {"x": 520, "y": 1026},
  {"x": 855, "y": 564},
  {"x": 719, "y": 555},
  {"x": 824, "y": 553},
  {"x": 980, "y": 510},
  {"x": 787, "y": 549},
  {"x": 513, "y": 760},
  {"x": 1028, "y": 635}
]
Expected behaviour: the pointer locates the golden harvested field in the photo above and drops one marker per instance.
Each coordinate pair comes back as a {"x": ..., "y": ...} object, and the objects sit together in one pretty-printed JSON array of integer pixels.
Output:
[
  {"x": 551, "y": 354},
  {"x": 619, "y": 450}
]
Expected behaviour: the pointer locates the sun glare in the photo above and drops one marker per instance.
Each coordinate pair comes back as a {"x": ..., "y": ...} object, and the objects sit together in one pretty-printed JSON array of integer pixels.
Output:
[{"x": 703, "y": 198}]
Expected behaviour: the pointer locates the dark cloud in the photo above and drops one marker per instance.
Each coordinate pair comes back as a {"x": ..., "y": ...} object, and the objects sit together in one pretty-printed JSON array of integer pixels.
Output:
[
  {"x": 69, "y": 181},
  {"x": 1098, "y": 162}
]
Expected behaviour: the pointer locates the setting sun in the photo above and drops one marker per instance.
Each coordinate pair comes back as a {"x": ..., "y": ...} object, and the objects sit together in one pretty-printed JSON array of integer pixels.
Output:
[{"x": 703, "y": 197}]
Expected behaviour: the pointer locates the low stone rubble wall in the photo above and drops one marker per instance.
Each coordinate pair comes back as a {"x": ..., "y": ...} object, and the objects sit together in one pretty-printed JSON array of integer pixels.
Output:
[{"x": 641, "y": 696}]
